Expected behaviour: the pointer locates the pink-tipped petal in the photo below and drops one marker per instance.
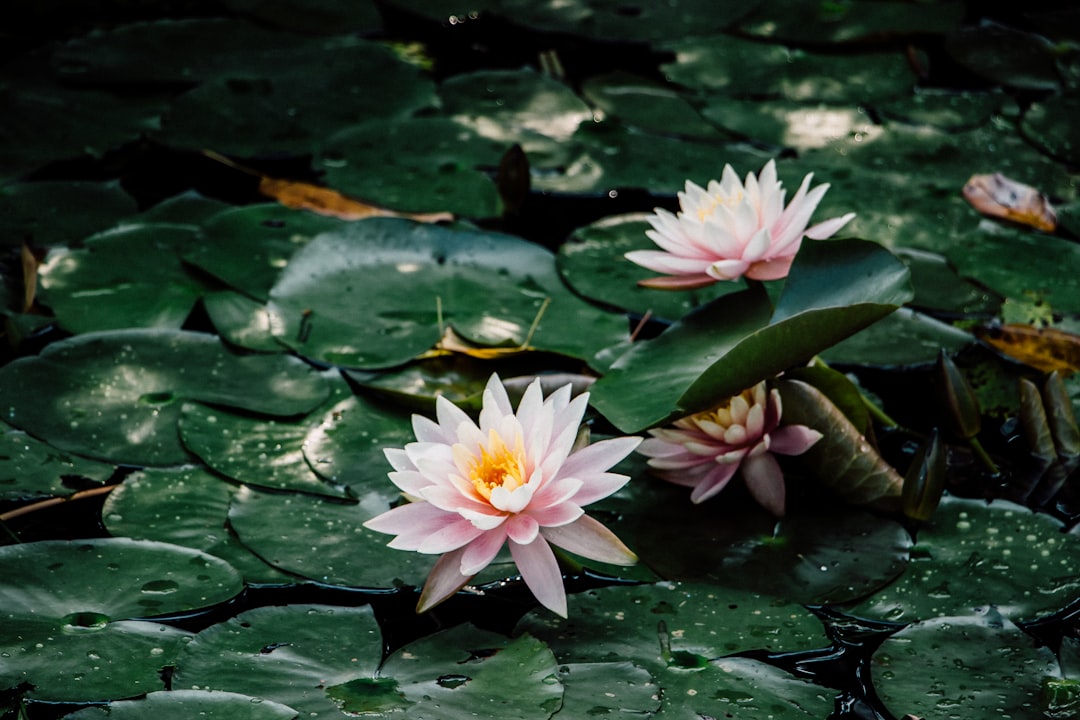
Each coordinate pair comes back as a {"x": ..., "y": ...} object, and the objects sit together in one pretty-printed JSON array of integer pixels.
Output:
[
  {"x": 522, "y": 529},
  {"x": 793, "y": 439},
  {"x": 714, "y": 481},
  {"x": 685, "y": 282},
  {"x": 557, "y": 515},
  {"x": 540, "y": 571},
  {"x": 444, "y": 580},
  {"x": 589, "y": 538},
  {"x": 775, "y": 269},
  {"x": 481, "y": 551},
  {"x": 599, "y": 456},
  {"x": 829, "y": 227},
  {"x": 410, "y": 516},
  {"x": 765, "y": 481},
  {"x": 453, "y": 536}
]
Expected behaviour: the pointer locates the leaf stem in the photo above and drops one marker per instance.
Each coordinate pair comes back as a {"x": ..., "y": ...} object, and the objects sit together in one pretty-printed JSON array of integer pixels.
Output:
[
  {"x": 983, "y": 456},
  {"x": 41, "y": 505}
]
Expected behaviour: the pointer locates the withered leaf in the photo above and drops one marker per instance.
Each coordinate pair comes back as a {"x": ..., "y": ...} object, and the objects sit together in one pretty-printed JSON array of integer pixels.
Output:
[
  {"x": 1045, "y": 349},
  {"x": 1001, "y": 197}
]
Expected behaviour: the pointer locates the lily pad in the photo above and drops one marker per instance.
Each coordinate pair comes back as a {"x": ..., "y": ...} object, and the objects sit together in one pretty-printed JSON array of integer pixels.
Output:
[
  {"x": 428, "y": 164},
  {"x": 905, "y": 338},
  {"x": 973, "y": 555},
  {"x": 183, "y": 506},
  {"x": 1005, "y": 55},
  {"x": 265, "y": 453},
  {"x": 462, "y": 673},
  {"x": 189, "y": 704},
  {"x": 592, "y": 262},
  {"x": 732, "y": 343},
  {"x": 784, "y": 123},
  {"x": 31, "y": 469},
  {"x": 58, "y": 213},
  {"x": 1046, "y": 124},
  {"x": 241, "y": 321},
  {"x": 957, "y": 666},
  {"x": 247, "y": 247},
  {"x": 340, "y": 302},
  {"x": 88, "y": 660},
  {"x": 325, "y": 541},
  {"x": 119, "y": 390},
  {"x": 291, "y": 655},
  {"x": 127, "y": 277},
  {"x": 840, "y": 22},
  {"x": 745, "y": 68},
  {"x": 647, "y": 105},
  {"x": 606, "y": 689}
]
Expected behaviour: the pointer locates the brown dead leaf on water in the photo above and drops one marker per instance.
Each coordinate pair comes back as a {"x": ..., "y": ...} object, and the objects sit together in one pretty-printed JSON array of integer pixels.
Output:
[
  {"x": 323, "y": 200},
  {"x": 1002, "y": 197},
  {"x": 30, "y": 264},
  {"x": 1045, "y": 349}
]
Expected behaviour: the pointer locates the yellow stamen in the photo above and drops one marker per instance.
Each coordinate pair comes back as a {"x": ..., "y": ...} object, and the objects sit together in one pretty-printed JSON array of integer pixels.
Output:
[
  {"x": 498, "y": 466},
  {"x": 729, "y": 201}
]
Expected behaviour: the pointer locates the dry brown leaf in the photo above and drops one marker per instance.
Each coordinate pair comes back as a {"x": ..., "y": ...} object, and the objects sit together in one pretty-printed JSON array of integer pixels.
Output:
[
  {"x": 998, "y": 196},
  {"x": 1045, "y": 349},
  {"x": 322, "y": 200}
]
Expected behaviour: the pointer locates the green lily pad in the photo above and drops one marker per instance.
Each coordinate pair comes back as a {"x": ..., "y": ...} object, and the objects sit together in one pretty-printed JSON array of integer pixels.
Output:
[
  {"x": 743, "y": 689},
  {"x": 291, "y": 655},
  {"x": 183, "y": 506},
  {"x": 749, "y": 69},
  {"x": 325, "y": 541},
  {"x": 943, "y": 109},
  {"x": 670, "y": 627},
  {"x": 31, "y": 469},
  {"x": 609, "y": 688},
  {"x": 592, "y": 262},
  {"x": 840, "y": 22},
  {"x": 187, "y": 208},
  {"x": 47, "y": 121},
  {"x": 1005, "y": 55},
  {"x": 110, "y": 579},
  {"x": 938, "y": 286},
  {"x": 1047, "y": 125},
  {"x": 415, "y": 386},
  {"x": 977, "y": 665},
  {"x": 428, "y": 164},
  {"x": 182, "y": 704},
  {"x": 732, "y": 343},
  {"x": 127, "y": 277},
  {"x": 255, "y": 451},
  {"x": 904, "y": 338},
  {"x": 784, "y": 123},
  {"x": 87, "y": 660},
  {"x": 647, "y": 105},
  {"x": 463, "y": 672},
  {"x": 119, "y": 390},
  {"x": 339, "y": 301},
  {"x": 57, "y": 213},
  {"x": 242, "y": 114},
  {"x": 347, "y": 446},
  {"x": 241, "y": 321},
  {"x": 817, "y": 553},
  {"x": 247, "y": 247},
  {"x": 972, "y": 555}
]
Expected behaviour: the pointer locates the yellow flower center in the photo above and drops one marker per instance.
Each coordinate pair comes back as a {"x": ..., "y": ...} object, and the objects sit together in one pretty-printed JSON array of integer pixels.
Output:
[
  {"x": 498, "y": 466},
  {"x": 718, "y": 200}
]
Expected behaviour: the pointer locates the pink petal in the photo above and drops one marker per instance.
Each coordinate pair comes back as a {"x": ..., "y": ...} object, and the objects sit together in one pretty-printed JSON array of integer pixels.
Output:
[
  {"x": 557, "y": 515},
  {"x": 765, "y": 481},
  {"x": 495, "y": 396},
  {"x": 714, "y": 481},
  {"x": 599, "y": 456},
  {"x": 758, "y": 247},
  {"x": 417, "y": 517},
  {"x": 522, "y": 529},
  {"x": 775, "y": 269},
  {"x": 599, "y": 487},
  {"x": 450, "y": 416},
  {"x": 590, "y": 539},
  {"x": 449, "y": 538},
  {"x": 481, "y": 551},
  {"x": 449, "y": 499},
  {"x": 797, "y": 216},
  {"x": 829, "y": 227},
  {"x": 540, "y": 571},
  {"x": 685, "y": 282},
  {"x": 728, "y": 269},
  {"x": 428, "y": 431},
  {"x": 722, "y": 243},
  {"x": 793, "y": 439},
  {"x": 398, "y": 459},
  {"x": 556, "y": 492},
  {"x": 444, "y": 580},
  {"x": 663, "y": 262}
]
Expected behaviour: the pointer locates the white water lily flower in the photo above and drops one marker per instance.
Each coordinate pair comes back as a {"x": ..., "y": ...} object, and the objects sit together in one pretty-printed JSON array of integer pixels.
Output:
[
  {"x": 514, "y": 479},
  {"x": 703, "y": 451},
  {"x": 731, "y": 229}
]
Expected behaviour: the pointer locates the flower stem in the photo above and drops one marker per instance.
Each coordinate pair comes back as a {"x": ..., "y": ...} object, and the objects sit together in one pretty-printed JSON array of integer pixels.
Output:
[{"x": 983, "y": 456}]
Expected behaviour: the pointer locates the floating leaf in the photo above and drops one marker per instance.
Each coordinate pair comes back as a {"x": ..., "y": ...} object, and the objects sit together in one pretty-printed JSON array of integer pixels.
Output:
[
  {"x": 119, "y": 391},
  {"x": 31, "y": 469},
  {"x": 1043, "y": 348},
  {"x": 998, "y": 196},
  {"x": 843, "y": 459},
  {"x": 291, "y": 655},
  {"x": 44, "y": 214},
  {"x": 189, "y": 703},
  {"x": 1005, "y": 55},
  {"x": 956, "y": 665}
]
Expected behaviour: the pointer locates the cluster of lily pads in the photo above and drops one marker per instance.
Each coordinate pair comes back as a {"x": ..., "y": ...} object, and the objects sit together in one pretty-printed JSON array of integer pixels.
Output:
[{"x": 216, "y": 379}]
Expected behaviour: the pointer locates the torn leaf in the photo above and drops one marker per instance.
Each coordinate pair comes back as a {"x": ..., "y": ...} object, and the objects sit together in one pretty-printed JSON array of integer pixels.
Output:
[{"x": 1001, "y": 197}]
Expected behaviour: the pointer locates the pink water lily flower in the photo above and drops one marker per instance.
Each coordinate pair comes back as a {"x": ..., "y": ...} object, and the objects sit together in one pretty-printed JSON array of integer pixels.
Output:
[
  {"x": 730, "y": 229},
  {"x": 704, "y": 451},
  {"x": 513, "y": 478}
]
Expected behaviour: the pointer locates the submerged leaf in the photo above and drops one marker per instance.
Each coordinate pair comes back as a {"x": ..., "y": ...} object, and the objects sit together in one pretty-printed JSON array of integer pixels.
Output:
[{"x": 843, "y": 459}]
